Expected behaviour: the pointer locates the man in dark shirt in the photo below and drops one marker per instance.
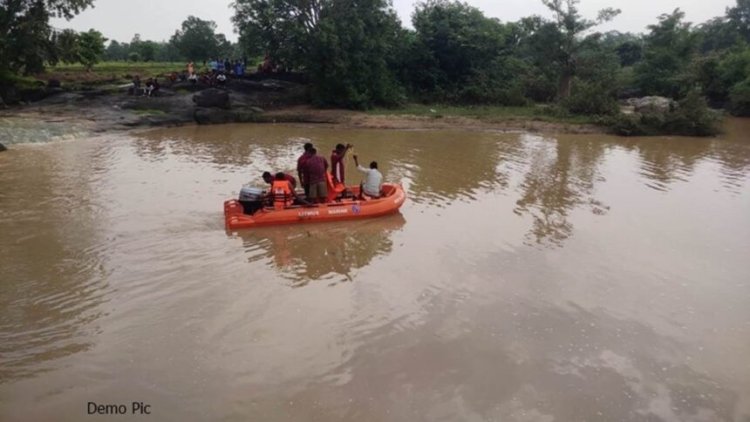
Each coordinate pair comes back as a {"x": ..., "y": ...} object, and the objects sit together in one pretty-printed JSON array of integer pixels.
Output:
[
  {"x": 301, "y": 168},
  {"x": 337, "y": 162},
  {"x": 269, "y": 178},
  {"x": 315, "y": 168}
]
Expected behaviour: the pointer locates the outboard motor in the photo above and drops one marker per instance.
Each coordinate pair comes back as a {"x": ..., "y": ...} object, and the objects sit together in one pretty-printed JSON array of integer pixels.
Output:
[{"x": 251, "y": 199}]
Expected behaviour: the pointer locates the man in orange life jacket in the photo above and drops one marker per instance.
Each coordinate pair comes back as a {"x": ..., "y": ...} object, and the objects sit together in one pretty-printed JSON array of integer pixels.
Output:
[
  {"x": 269, "y": 178},
  {"x": 282, "y": 193}
]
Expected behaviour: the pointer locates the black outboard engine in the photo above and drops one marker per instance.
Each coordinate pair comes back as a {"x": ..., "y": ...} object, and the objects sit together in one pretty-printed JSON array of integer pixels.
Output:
[{"x": 251, "y": 199}]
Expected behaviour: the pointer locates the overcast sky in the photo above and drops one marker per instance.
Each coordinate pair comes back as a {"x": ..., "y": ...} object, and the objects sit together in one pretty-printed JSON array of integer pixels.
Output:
[{"x": 158, "y": 19}]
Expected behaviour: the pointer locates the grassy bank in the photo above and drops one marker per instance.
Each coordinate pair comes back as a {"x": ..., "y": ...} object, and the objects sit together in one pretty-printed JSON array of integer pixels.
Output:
[
  {"x": 109, "y": 72},
  {"x": 490, "y": 114}
]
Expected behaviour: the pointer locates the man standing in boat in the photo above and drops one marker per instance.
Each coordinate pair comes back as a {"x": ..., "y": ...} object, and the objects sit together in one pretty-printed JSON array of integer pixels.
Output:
[
  {"x": 301, "y": 168},
  {"x": 314, "y": 170},
  {"x": 337, "y": 163},
  {"x": 373, "y": 179}
]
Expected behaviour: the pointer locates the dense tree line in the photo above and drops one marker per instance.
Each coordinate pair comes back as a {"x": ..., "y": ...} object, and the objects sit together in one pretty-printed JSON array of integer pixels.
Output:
[
  {"x": 358, "y": 54},
  {"x": 25, "y": 32},
  {"x": 28, "y": 42}
]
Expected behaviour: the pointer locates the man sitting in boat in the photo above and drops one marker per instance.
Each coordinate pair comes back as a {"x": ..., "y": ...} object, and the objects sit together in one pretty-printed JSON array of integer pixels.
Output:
[
  {"x": 373, "y": 179},
  {"x": 269, "y": 178},
  {"x": 282, "y": 193}
]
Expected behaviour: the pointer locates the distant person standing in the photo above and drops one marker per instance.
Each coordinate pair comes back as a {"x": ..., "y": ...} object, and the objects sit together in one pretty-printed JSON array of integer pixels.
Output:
[
  {"x": 315, "y": 172},
  {"x": 373, "y": 179},
  {"x": 190, "y": 68},
  {"x": 337, "y": 162},
  {"x": 301, "y": 168}
]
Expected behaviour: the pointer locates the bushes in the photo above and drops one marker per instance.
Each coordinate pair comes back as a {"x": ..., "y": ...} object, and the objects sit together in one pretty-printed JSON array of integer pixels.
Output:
[
  {"x": 739, "y": 99},
  {"x": 590, "y": 98},
  {"x": 691, "y": 117}
]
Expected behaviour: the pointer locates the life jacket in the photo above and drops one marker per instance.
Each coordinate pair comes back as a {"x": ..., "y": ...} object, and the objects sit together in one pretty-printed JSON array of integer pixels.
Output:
[
  {"x": 282, "y": 194},
  {"x": 334, "y": 189}
]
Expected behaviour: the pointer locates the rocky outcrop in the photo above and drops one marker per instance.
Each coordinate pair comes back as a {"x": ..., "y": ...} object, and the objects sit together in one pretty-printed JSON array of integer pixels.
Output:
[
  {"x": 651, "y": 104},
  {"x": 2, "y": 148},
  {"x": 212, "y": 97}
]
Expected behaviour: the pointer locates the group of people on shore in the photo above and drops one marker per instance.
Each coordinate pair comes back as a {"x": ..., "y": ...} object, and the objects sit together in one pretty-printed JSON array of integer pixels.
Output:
[
  {"x": 150, "y": 88},
  {"x": 312, "y": 170}
]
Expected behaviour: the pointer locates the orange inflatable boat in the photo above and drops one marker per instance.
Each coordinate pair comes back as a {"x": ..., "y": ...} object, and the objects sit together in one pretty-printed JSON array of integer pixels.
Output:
[{"x": 235, "y": 216}]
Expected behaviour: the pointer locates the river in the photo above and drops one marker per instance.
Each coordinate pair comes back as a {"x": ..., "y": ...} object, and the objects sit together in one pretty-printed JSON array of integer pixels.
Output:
[{"x": 527, "y": 278}]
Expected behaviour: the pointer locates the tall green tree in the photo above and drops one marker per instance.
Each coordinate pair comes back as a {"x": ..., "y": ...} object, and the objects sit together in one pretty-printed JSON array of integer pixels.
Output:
[
  {"x": 571, "y": 25},
  {"x": 460, "y": 43},
  {"x": 739, "y": 17},
  {"x": 91, "y": 47},
  {"x": 117, "y": 51},
  {"x": 67, "y": 46},
  {"x": 348, "y": 58},
  {"x": 282, "y": 29},
  {"x": 198, "y": 40},
  {"x": 669, "y": 49},
  {"x": 25, "y": 34}
]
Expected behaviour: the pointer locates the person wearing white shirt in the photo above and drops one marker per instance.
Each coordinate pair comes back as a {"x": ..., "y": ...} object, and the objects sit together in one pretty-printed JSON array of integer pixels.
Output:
[{"x": 373, "y": 179}]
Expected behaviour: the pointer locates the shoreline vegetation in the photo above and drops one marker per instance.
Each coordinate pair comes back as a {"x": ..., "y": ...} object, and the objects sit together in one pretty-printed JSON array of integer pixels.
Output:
[
  {"x": 355, "y": 63},
  {"x": 100, "y": 100}
]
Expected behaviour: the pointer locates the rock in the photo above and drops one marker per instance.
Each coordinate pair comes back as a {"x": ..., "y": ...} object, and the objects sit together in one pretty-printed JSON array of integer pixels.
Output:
[
  {"x": 212, "y": 98},
  {"x": 2, "y": 148},
  {"x": 207, "y": 116},
  {"x": 651, "y": 104},
  {"x": 34, "y": 94},
  {"x": 54, "y": 83}
]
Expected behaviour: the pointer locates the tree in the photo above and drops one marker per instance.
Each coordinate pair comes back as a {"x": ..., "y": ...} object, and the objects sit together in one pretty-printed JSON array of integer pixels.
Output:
[
  {"x": 571, "y": 25},
  {"x": 739, "y": 17},
  {"x": 462, "y": 45},
  {"x": 197, "y": 39},
  {"x": 348, "y": 56},
  {"x": 280, "y": 28},
  {"x": 25, "y": 34},
  {"x": 716, "y": 35},
  {"x": 668, "y": 51},
  {"x": 67, "y": 46},
  {"x": 117, "y": 51},
  {"x": 91, "y": 47},
  {"x": 147, "y": 50}
]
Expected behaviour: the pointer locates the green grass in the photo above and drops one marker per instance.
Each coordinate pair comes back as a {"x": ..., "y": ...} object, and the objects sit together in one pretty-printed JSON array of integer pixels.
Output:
[
  {"x": 485, "y": 113},
  {"x": 151, "y": 67},
  {"x": 109, "y": 72},
  {"x": 20, "y": 82}
]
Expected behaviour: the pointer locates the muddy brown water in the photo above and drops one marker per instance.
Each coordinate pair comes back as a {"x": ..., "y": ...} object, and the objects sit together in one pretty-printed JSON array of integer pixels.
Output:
[{"x": 527, "y": 278}]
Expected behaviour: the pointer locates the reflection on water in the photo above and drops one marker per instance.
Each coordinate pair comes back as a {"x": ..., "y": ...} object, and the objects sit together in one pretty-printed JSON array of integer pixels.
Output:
[
  {"x": 319, "y": 251},
  {"x": 53, "y": 277},
  {"x": 570, "y": 277},
  {"x": 561, "y": 176}
]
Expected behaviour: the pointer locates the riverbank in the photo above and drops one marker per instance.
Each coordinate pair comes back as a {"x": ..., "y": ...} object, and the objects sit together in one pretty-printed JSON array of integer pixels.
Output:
[{"x": 108, "y": 107}]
